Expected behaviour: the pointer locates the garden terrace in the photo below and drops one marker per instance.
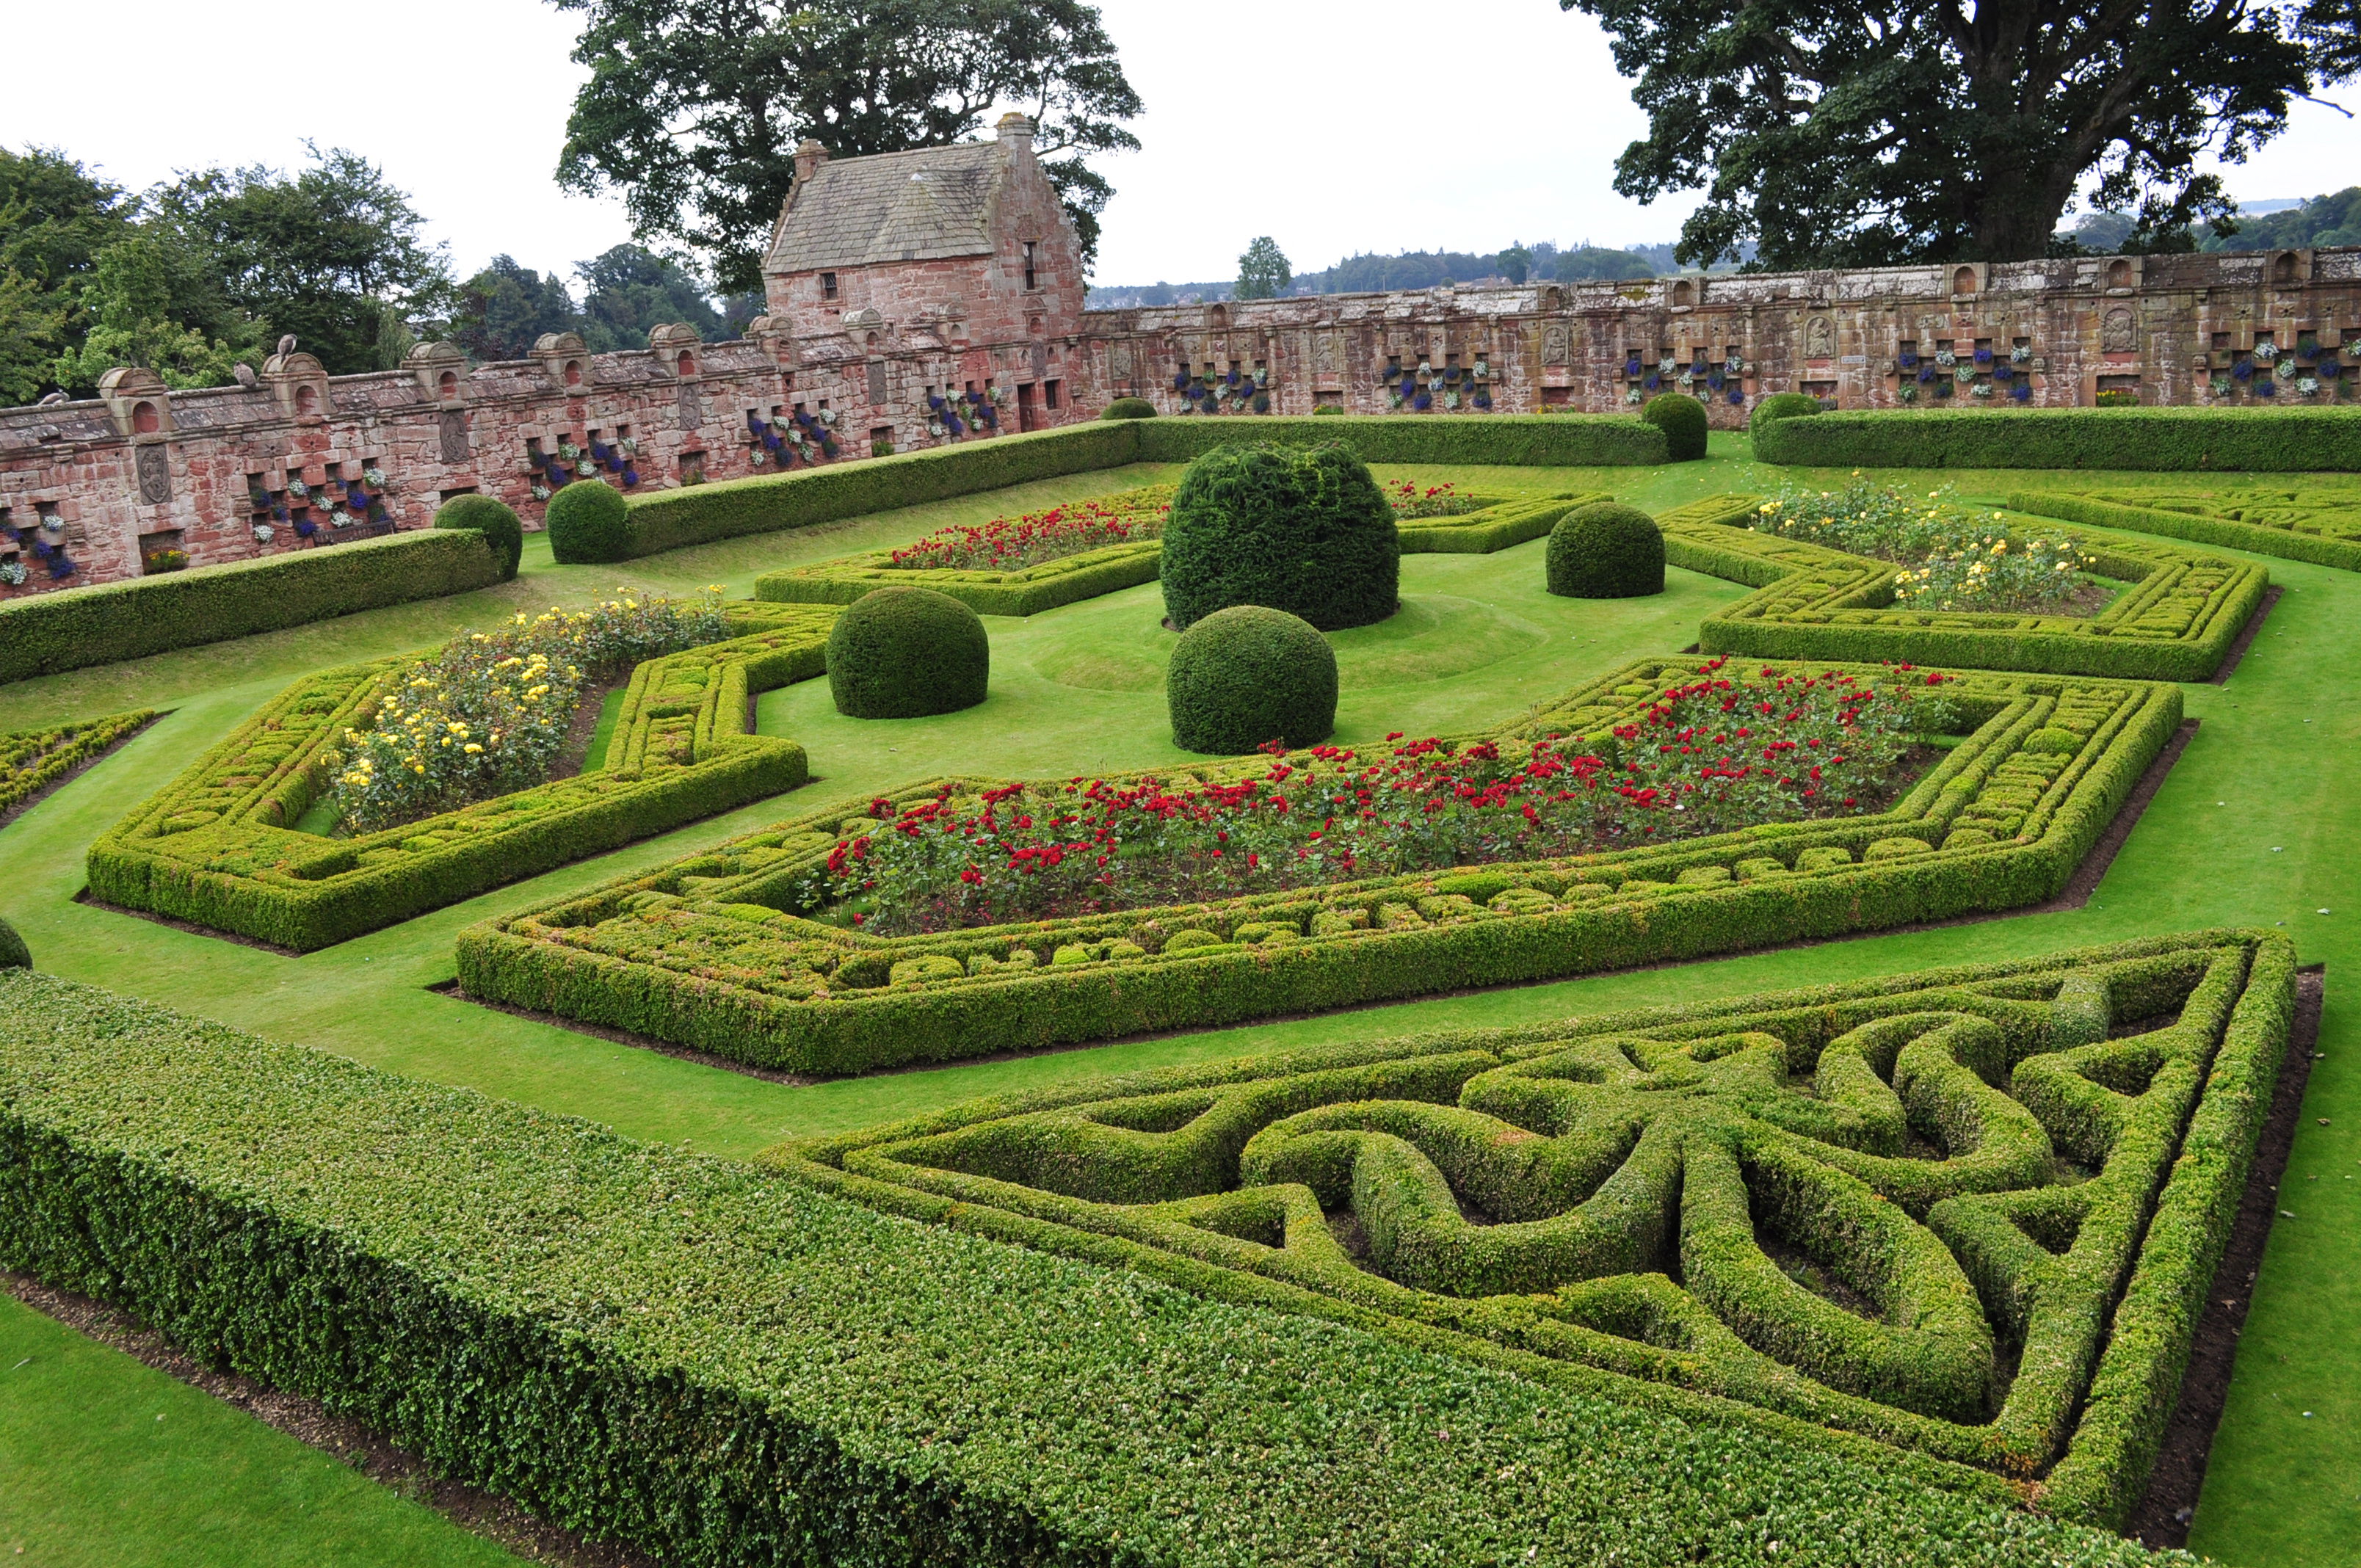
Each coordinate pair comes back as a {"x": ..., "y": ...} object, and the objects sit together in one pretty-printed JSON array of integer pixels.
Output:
[
  {"x": 220, "y": 847},
  {"x": 713, "y": 952},
  {"x": 280, "y": 1175},
  {"x": 1905, "y": 1209}
]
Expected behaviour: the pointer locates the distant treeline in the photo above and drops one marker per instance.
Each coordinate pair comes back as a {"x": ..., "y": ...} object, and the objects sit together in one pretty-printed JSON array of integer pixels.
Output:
[{"x": 1424, "y": 269}]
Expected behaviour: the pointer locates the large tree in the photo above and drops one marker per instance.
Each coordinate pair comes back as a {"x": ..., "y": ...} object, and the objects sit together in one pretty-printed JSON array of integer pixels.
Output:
[
  {"x": 1864, "y": 132},
  {"x": 694, "y": 108},
  {"x": 1263, "y": 272},
  {"x": 56, "y": 217},
  {"x": 333, "y": 254},
  {"x": 628, "y": 290}
]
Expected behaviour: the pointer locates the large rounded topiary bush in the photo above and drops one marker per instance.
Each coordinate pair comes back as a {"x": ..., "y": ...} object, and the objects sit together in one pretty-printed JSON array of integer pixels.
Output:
[
  {"x": 1128, "y": 408},
  {"x": 1303, "y": 529},
  {"x": 1682, "y": 419},
  {"x": 492, "y": 519},
  {"x": 1605, "y": 551},
  {"x": 14, "y": 954},
  {"x": 589, "y": 523},
  {"x": 1782, "y": 405},
  {"x": 1248, "y": 674},
  {"x": 906, "y": 652}
]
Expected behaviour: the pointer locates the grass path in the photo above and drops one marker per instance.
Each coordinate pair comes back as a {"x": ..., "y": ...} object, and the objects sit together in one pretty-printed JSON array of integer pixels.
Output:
[{"x": 1079, "y": 689}]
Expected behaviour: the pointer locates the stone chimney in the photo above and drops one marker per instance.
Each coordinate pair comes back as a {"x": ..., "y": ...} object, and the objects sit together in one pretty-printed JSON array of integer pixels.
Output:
[
  {"x": 1016, "y": 132},
  {"x": 810, "y": 156}
]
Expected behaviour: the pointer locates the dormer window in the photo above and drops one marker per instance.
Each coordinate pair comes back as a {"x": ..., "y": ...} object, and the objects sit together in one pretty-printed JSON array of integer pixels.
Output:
[
  {"x": 828, "y": 285},
  {"x": 1030, "y": 258}
]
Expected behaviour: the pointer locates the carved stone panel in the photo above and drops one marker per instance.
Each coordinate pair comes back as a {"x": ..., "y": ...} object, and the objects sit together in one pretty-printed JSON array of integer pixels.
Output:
[
  {"x": 1820, "y": 338},
  {"x": 2118, "y": 331},
  {"x": 1324, "y": 353},
  {"x": 155, "y": 467},
  {"x": 455, "y": 436},
  {"x": 1118, "y": 363},
  {"x": 1557, "y": 344},
  {"x": 877, "y": 383},
  {"x": 692, "y": 411}
]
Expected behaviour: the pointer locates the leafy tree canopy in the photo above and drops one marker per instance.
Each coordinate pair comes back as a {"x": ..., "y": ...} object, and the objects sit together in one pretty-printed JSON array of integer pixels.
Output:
[
  {"x": 1263, "y": 272},
  {"x": 694, "y": 108},
  {"x": 1516, "y": 263},
  {"x": 504, "y": 308},
  {"x": 1592, "y": 263},
  {"x": 628, "y": 290},
  {"x": 1909, "y": 130},
  {"x": 2324, "y": 220},
  {"x": 328, "y": 254}
]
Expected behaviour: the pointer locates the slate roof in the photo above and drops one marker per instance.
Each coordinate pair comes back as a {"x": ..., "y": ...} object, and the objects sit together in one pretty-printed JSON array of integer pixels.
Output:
[{"x": 891, "y": 206}]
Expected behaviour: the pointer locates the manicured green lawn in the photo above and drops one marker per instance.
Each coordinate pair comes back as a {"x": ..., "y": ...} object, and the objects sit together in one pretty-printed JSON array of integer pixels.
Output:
[
  {"x": 1078, "y": 690},
  {"x": 106, "y": 1464}
]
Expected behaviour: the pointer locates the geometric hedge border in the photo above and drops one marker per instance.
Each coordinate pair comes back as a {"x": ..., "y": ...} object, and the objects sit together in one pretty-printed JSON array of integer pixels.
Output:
[
  {"x": 216, "y": 846},
  {"x": 702, "y": 952},
  {"x": 1492, "y": 523},
  {"x": 2082, "y": 1126}
]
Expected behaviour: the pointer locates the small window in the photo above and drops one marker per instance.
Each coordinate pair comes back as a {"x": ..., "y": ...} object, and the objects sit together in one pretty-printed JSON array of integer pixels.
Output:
[
  {"x": 1050, "y": 394},
  {"x": 827, "y": 285},
  {"x": 1031, "y": 259}
]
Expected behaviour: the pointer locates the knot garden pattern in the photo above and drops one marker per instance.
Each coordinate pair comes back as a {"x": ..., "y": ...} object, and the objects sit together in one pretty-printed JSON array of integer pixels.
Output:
[{"x": 1907, "y": 1210}]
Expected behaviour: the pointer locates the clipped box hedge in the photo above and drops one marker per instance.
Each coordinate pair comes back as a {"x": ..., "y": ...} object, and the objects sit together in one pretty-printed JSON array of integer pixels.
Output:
[
  {"x": 2272, "y": 441},
  {"x": 1219, "y": 1178},
  {"x": 720, "y": 1365},
  {"x": 2175, "y": 622},
  {"x": 1493, "y": 524},
  {"x": 74, "y": 627},
  {"x": 217, "y": 846},
  {"x": 698, "y": 514},
  {"x": 32, "y": 761},
  {"x": 704, "y": 953},
  {"x": 2292, "y": 525}
]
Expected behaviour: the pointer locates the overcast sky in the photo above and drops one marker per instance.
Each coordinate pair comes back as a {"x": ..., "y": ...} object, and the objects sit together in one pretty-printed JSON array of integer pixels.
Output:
[{"x": 1335, "y": 127}]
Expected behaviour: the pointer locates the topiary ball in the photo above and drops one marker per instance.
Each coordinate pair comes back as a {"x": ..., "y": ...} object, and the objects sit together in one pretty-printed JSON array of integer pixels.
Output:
[
  {"x": 1128, "y": 408},
  {"x": 492, "y": 519},
  {"x": 589, "y": 522},
  {"x": 1606, "y": 550},
  {"x": 1303, "y": 529},
  {"x": 1682, "y": 419},
  {"x": 906, "y": 652},
  {"x": 14, "y": 954},
  {"x": 1782, "y": 405},
  {"x": 1248, "y": 675}
]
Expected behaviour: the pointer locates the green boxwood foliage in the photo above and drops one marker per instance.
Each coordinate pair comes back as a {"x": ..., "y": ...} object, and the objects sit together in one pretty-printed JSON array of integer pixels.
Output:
[
  {"x": 1128, "y": 408},
  {"x": 32, "y": 761},
  {"x": 74, "y": 627},
  {"x": 216, "y": 844},
  {"x": 1327, "y": 410},
  {"x": 1779, "y": 406},
  {"x": 1556, "y": 441},
  {"x": 1215, "y": 1177},
  {"x": 2007, "y": 819},
  {"x": 2285, "y": 531},
  {"x": 588, "y": 521},
  {"x": 703, "y": 1370},
  {"x": 492, "y": 517},
  {"x": 1606, "y": 550},
  {"x": 2252, "y": 440},
  {"x": 1304, "y": 530},
  {"x": 902, "y": 652},
  {"x": 1682, "y": 419},
  {"x": 1248, "y": 674},
  {"x": 14, "y": 954}
]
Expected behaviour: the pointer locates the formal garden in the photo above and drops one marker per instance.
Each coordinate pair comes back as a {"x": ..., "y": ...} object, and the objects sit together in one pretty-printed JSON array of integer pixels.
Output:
[{"x": 1509, "y": 989}]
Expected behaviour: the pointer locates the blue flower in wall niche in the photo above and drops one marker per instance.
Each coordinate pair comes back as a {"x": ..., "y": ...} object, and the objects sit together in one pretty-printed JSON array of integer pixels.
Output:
[{"x": 1737, "y": 396}]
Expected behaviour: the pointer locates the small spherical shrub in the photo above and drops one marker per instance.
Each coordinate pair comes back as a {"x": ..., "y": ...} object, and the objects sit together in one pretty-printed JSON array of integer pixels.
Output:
[
  {"x": 14, "y": 954},
  {"x": 1682, "y": 419},
  {"x": 906, "y": 652},
  {"x": 588, "y": 523},
  {"x": 1129, "y": 407},
  {"x": 492, "y": 518},
  {"x": 1250, "y": 674},
  {"x": 1606, "y": 550},
  {"x": 1782, "y": 405},
  {"x": 1303, "y": 529}
]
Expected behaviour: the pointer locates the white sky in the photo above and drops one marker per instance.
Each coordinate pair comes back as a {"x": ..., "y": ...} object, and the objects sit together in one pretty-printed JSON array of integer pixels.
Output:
[{"x": 1336, "y": 125}]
